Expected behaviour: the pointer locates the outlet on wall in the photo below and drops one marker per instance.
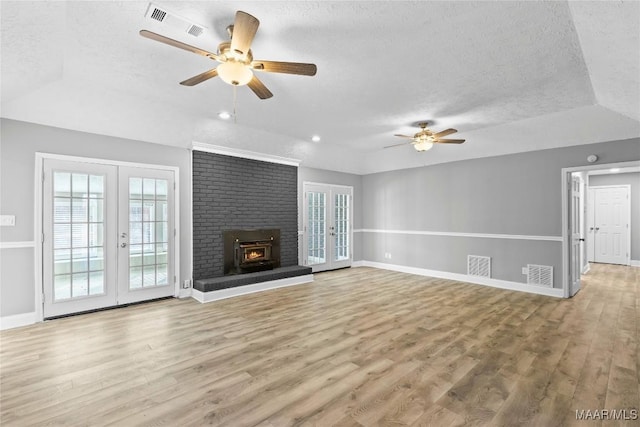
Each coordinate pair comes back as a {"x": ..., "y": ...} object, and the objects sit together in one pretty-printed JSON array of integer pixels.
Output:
[
  {"x": 186, "y": 284},
  {"x": 525, "y": 270},
  {"x": 387, "y": 255}
]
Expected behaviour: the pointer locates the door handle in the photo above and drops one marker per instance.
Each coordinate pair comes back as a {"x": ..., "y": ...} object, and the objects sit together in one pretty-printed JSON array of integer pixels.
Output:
[
  {"x": 123, "y": 245},
  {"x": 597, "y": 228},
  {"x": 582, "y": 240},
  {"x": 123, "y": 235}
]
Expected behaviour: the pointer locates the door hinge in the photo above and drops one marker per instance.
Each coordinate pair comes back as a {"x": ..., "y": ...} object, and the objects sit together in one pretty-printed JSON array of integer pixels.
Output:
[
  {"x": 42, "y": 239},
  {"x": 43, "y": 297},
  {"x": 43, "y": 175},
  {"x": 174, "y": 185},
  {"x": 174, "y": 232},
  {"x": 174, "y": 279}
]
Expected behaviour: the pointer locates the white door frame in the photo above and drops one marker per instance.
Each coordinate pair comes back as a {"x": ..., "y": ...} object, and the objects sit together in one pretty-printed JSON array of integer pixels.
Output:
[
  {"x": 38, "y": 216},
  {"x": 628, "y": 188},
  {"x": 565, "y": 179}
]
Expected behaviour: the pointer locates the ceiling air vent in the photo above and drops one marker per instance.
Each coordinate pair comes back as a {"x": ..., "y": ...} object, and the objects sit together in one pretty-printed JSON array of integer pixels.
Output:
[
  {"x": 195, "y": 30},
  {"x": 540, "y": 275},
  {"x": 158, "y": 14},
  {"x": 173, "y": 21},
  {"x": 478, "y": 266}
]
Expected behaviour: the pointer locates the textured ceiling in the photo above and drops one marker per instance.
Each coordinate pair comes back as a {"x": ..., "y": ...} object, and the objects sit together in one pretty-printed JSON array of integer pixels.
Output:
[{"x": 510, "y": 76}]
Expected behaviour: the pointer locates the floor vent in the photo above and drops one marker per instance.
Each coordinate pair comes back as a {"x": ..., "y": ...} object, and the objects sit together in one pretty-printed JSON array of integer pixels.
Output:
[
  {"x": 540, "y": 275},
  {"x": 478, "y": 266}
]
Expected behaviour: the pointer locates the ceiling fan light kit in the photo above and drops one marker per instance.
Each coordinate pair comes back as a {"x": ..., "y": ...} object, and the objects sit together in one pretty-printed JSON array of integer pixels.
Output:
[
  {"x": 236, "y": 59},
  {"x": 425, "y": 139},
  {"x": 234, "y": 73}
]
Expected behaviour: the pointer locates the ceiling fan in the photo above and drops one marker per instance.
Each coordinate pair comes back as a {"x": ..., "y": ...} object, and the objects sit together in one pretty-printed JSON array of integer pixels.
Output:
[
  {"x": 236, "y": 59},
  {"x": 424, "y": 140}
]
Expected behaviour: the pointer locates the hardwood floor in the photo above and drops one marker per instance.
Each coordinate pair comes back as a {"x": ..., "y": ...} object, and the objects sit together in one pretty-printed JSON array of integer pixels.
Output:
[{"x": 357, "y": 347}]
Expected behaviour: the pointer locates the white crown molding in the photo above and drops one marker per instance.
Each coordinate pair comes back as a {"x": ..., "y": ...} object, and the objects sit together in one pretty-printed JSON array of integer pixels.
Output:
[
  {"x": 455, "y": 234},
  {"x": 494, "y": 283},
  {"x": 17, "y": 245},
  {"x": 245, "y": 154}
]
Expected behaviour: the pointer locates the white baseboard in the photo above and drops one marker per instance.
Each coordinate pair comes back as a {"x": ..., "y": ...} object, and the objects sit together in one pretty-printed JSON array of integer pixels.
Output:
[
  {"x": 204, "y": 297},
  {"x": 358, "y": 264},
  {"x": 635, "y": 263},
  {"x": 17, "y": 320},
  {"x": 184, "y": 293},
  {"x": 586, "y": 268},
  {"x": 495, "y": 283}
]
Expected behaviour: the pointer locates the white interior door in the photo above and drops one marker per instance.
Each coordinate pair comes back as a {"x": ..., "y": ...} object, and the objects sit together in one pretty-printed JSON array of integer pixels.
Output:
[
  {"x": 575, "y": 224},
  {"x": 108, "y": 235},
  {"x": 146, "y": 234},
  {"x": 79, "y": 245},
  {"x": 611, "y": 224},
  {"x": 328, "y": 234}
]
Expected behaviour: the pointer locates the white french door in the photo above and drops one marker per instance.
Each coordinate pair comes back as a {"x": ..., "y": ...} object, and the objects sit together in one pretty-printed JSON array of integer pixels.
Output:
[
  {"x": 609, "y": 224},
  {"x": 108, "y": 235},
  {"x": 145, "y": 234},
  {"x": 327, "y": 219}
]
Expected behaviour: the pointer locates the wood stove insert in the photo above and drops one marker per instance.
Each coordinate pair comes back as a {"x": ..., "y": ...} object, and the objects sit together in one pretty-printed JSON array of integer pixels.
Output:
[{"x": 248, "y": 251}]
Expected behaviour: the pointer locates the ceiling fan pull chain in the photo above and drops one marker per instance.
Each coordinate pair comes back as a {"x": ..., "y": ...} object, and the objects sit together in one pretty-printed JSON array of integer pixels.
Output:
[{"x": 235, "y": 116}]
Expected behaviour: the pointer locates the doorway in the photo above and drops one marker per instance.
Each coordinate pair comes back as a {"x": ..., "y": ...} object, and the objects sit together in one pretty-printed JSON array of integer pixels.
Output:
[
  {"x": 608, "y": 217},
  {"x": 108, "y": 233},
  {"x": 571, "y": 215},
  {"x": 327, "y": 222}
]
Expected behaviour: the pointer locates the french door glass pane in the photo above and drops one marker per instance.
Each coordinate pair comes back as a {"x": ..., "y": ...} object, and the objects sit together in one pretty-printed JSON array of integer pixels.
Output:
[
  {"x": 316, "y": 222},
  {"x": 148, "y": 232},
  {"x": 341, "y": 212},
  {"x": 78, "y": 235}
]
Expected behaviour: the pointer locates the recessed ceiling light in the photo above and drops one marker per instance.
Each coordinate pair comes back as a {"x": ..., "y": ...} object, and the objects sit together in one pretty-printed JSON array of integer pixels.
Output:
[
  {"x": 315, "y": 138},
  {"x": 224, "y": 115},
  {"x": 614, "y": 170}
]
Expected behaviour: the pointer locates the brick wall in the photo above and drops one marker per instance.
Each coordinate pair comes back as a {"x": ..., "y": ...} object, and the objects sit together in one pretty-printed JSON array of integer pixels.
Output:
[{"x": 235, "y": 193}]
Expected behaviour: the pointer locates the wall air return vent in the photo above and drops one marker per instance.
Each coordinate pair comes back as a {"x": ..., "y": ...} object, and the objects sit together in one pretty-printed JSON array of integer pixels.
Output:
[
  {"x": 479, "y": 266},
  {"x": 540, "y": 275},
  {"x": 173, "y": 21}
]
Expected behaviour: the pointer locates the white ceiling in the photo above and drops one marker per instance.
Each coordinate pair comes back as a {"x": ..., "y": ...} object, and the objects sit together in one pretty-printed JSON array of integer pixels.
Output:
[{"x": 510, "y": 76}]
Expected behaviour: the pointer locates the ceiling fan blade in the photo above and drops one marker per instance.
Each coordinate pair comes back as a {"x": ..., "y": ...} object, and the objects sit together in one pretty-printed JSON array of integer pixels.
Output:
[
  {"x": 444, "y": 133},
  {"x": 259, "y": 88},
  {"x": 244, "y": 30},
  {"x": 449, "y": 141},
  {"x": 285, "y": 67},
  {"x": 175, "y": 43},
  {"x": 200, "y": 78},
  {"x": 397, "y": 145},
  {"x": 403, "y": 136}
]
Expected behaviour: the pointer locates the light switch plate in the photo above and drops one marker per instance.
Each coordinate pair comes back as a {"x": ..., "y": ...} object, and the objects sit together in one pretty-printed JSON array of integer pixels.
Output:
[{"x": 7, "y": 220}]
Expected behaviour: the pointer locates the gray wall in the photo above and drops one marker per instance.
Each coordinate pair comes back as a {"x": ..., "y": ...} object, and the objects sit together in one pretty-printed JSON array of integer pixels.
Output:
[
  {"x": 236, "y": 193},
  {"x": 632, "y": 179},
  {"x": 516, "y": 194},
  {"x": 334, "y": 178},
  {"x": 18, "y": 144}
]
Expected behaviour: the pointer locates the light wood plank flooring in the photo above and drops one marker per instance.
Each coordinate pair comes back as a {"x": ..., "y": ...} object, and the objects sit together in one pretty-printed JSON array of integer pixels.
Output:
[{"x": 358, "y": 347}]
